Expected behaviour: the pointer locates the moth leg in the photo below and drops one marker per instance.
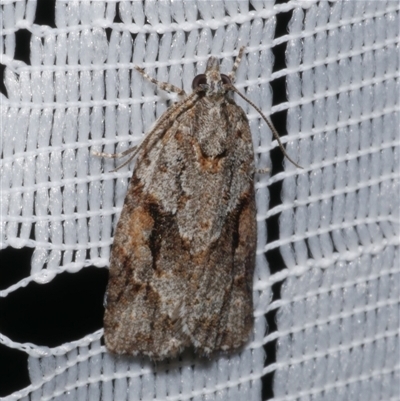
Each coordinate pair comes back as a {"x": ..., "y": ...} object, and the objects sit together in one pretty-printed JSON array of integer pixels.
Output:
[
  {"x": 162, "y": 85},
  {"x": 263, "y": 170},
  {"x": 126, "y": 152},
  {"x": 114, "y": 155},
  {"x": 231, "y": 75}
]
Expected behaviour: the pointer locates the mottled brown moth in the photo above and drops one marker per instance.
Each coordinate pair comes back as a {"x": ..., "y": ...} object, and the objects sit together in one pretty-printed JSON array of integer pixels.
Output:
[{"x": 182, "y": 261}]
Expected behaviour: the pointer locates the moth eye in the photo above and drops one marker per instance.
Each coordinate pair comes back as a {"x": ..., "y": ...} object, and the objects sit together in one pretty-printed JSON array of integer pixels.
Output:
[
  {"x": 199, "y": 80},
  {"x": 225, "y": 79}
]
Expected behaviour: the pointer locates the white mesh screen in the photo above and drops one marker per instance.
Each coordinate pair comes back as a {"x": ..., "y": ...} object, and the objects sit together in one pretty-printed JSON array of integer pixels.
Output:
[{"x": 337, "y": 311}]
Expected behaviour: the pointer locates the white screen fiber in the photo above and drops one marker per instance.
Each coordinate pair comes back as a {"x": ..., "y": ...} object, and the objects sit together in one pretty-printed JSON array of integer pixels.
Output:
[{"x": 327, "y": 311}]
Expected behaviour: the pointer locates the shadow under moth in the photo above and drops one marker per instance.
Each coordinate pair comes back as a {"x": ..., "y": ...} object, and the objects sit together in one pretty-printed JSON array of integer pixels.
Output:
[{"x": 182, "y": 261}]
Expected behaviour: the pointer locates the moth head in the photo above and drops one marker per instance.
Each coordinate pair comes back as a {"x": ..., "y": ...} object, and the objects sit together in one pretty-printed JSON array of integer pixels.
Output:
[{"x": 212, "y": 82}]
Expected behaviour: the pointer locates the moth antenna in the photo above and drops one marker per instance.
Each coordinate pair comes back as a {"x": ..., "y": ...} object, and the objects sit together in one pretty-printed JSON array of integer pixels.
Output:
[{"x": 269, "y": 123}]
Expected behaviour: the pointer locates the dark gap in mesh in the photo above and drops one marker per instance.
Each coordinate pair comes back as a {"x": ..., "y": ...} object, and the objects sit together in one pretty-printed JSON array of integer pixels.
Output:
[
  {"x": 13, "y": 372},
  {"x": 66, "y": 309},
  {"x": 117, "y": 18},
  {"x": 15, "y": 265},
  {"x": 3, "y": 89},
  {"x": 309, "y": 251},
  {"x": 22, "y": 46},
  {"x": 274, "y": 257},
  {"x": 45, "y": 13},
  {"x": 108, "y": 33},
  {"x": 19, "y": 230},
  {"x": 32, "y": 231}
]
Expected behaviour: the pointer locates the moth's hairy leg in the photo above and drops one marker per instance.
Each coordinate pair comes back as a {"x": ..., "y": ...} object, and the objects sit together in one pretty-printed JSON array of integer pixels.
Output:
[
  {"x": 265, "y": 170},
  {"x": 238, "y": 59},
  {"x": 162, "y": 85},
  {"x": 114, "y": 155}
]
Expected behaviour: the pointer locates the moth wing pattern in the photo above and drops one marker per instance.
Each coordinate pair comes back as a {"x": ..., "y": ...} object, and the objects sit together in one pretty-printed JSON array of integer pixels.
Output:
[{"x": 182, "y": 261}]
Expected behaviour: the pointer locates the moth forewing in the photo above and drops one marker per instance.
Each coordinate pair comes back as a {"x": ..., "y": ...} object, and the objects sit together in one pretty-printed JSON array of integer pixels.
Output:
[{"x": 183, "y": 257}]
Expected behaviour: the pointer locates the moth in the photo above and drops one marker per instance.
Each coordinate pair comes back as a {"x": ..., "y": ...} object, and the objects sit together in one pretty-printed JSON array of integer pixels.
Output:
[{"x": 183, "y": 257}]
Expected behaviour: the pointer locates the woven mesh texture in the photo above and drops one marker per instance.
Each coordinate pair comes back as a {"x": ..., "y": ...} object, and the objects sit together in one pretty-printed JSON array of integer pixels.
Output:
[{"x": 336, "y": 313}]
